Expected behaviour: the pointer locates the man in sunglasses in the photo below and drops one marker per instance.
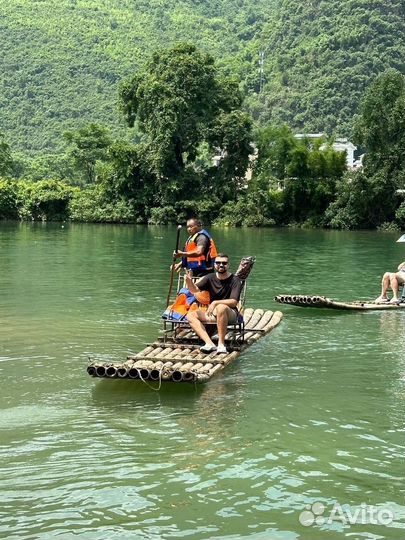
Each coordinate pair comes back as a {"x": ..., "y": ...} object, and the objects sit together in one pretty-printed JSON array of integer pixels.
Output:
[{"x": 224, "y": 289}]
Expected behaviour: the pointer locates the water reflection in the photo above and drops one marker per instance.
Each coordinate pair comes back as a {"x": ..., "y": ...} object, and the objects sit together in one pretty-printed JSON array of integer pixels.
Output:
[{"x": 216, "y": 404}]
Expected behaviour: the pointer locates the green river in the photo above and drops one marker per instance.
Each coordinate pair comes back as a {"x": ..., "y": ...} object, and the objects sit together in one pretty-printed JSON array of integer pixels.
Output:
[{"x": 308, "y": 423}]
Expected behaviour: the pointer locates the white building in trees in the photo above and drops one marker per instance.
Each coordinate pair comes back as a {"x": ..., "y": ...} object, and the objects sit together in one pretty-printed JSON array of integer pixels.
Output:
[{"x": 340, "y": 145}]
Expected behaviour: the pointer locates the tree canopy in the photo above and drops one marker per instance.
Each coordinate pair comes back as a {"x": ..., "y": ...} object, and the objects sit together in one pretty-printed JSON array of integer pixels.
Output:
[
  {"x": 369, "y": 197},
  {"x": 62, "y": 60},
  {"x": 180, "y": 101},
  {"x": 320, "y": 57},
  {"x": 6, "y": 160},
  {"x": 87, "y": 146}
]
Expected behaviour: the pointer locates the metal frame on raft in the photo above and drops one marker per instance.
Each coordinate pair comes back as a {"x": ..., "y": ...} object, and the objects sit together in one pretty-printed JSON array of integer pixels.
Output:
[
  {"x": 170, "y": 360},
  {"x": 179, "y": 331}
]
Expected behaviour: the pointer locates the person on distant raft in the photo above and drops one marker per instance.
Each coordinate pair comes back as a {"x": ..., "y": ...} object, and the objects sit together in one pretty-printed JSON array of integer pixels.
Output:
[
  {"x": 225, "y": 290},
  {"x": 199, "y": 250},
  {"x": 393, "y": 280}
]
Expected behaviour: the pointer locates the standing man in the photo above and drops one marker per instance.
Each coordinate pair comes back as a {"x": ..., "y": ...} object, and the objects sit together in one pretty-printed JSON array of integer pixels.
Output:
[
  {"x": 225, "y": 290},
  {"x": 199, "y": 251}
]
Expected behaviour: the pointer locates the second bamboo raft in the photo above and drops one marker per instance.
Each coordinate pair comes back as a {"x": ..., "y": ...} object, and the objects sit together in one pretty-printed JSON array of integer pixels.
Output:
[
  {"x": 302, "y": 300},
  {"x": 180, "y": 359}
]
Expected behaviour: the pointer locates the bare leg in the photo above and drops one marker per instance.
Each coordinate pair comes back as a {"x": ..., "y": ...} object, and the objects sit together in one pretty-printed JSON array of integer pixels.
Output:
[
  {"x": 395, "y": 281},
  {"x": 221, "y": 312},
  {"x": 394, "y": 287},
  {"x": 196, "y": 324},
  {"x": 384, "y": 287}
]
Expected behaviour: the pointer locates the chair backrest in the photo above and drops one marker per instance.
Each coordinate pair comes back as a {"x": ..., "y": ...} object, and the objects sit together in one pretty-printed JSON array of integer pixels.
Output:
[{"x": 245, "y": 267}]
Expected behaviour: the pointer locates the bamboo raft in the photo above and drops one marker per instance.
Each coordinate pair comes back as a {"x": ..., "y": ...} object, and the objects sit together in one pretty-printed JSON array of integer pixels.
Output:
[
  {"x": 323, "y": 302},
  {"x": 179, "y": 359}
]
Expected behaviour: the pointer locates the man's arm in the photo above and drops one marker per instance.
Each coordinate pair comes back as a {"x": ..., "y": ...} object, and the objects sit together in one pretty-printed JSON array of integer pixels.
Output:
[
  {"x": 191, "y": 285},
  {"x": 201, "y": 248},
  {"x": 198, "y": 251}
]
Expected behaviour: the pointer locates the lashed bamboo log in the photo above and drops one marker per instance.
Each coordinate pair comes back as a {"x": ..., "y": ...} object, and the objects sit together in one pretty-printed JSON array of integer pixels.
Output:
[
  {"x": 155, "y": 371},
  {"x": 167, "y": 373},
  {"x": 205, "y": 369},
  {"x": 179, "y": 374},
  {"x": 184, "y": 361},
  {"x": 133, "y": 373},
  {"x": 215, "y": 369},
  {"x": 122, "y": 372},
  {"x": 100, "y": 371},
  {"x": 189, "y": 376},
  {"x": 91, "y": 370},
  {"x": 111, "y": 372},
  {"x": 144, "y": 352}
]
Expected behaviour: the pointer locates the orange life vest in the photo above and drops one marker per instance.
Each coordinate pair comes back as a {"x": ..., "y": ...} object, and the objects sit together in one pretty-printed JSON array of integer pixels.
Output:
[
  {"x": 186, "y": 302},
  {"x": 203, "y": 261}
]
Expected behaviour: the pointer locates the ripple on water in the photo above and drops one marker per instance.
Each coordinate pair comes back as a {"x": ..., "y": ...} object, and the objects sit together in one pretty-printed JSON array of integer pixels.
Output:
[{"x": 312, "y": 413}]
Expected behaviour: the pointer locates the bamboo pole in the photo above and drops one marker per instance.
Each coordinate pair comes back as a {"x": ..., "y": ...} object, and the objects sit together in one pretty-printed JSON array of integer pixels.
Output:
[{"x": 144, "y": 352}]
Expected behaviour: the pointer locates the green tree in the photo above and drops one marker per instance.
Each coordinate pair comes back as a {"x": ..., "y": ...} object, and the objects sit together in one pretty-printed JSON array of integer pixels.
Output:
[
  {"x": 274, "y": 146},
  {"x": 44, "y": 167},
  {"x": 179, "y": 100},
  {"x": 6, "y": 160},
  {"x": 231, "y": 132},
  {"x": 380, "y": 128},
  {"x": 307, "y": 169},
  {"x": 369, "y": 198},
  {"x": 9, "y": 198},
  {"x": 89, "y": 145},
  {"x": 45, "y": 200}
]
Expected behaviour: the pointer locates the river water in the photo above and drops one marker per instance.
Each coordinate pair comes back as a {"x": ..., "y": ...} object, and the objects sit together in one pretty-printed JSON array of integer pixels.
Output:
[{"x": 311, "y": 415}]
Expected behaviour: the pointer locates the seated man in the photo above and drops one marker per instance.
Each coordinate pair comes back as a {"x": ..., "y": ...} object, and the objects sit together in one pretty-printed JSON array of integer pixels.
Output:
[
  {"x": 225, "y": 290},
  {"x": 393, "y": 280}
]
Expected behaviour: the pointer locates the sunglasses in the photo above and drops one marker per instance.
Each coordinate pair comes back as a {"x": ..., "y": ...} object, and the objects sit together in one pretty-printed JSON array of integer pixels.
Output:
[{"x": 221, "y": 263}]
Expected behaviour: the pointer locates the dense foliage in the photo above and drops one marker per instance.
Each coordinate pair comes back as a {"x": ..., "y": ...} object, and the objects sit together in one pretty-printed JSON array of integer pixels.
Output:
[
  {"x": 321, "y": 56},
  {"x": 370, "y": 197},
  {"x": 43, "y": 200},
  {"x": 6, "y": 160},
  {"x": 62, "y": 60},
  {"x": 96, "y": 129},
  {"x": 294, "y": 181}
]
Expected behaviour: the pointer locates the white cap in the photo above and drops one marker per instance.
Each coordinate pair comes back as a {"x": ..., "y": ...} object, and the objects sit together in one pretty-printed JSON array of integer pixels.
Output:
[{"x": 401, "y": 238}]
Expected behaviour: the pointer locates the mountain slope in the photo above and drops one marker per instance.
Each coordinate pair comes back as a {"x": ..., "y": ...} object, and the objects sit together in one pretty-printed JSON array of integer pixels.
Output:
[
  {"x": 321, "y": 55},
  {"x": 61, "y": 60}
]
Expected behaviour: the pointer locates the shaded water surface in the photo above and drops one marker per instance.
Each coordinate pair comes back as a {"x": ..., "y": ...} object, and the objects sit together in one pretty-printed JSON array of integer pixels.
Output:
[{"x": 311, "y": 414}]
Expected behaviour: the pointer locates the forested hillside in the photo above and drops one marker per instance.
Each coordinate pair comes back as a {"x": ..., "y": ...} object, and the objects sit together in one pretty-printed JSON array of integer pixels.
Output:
[
  {"x": 61, "y": 60},
  {"x": 321, "y": 55}
]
